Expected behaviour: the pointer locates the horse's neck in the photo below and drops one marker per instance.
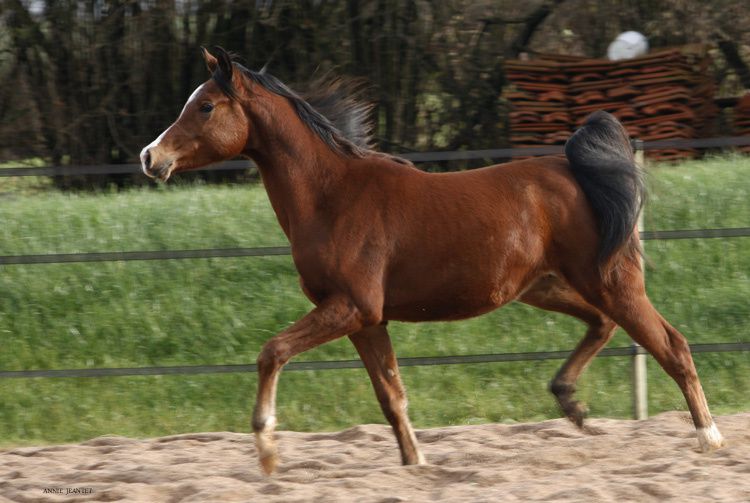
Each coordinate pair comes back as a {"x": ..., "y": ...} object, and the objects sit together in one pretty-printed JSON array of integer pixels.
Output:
[{"x": 300, "y": 182}]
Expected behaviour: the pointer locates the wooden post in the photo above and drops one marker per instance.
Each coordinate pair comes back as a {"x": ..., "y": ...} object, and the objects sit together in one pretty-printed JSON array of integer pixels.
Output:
[{"x": 640, "y": 389}]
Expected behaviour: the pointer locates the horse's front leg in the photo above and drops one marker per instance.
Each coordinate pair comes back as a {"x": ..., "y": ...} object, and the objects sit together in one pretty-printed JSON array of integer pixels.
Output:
[{"x": 334, "y": 318}]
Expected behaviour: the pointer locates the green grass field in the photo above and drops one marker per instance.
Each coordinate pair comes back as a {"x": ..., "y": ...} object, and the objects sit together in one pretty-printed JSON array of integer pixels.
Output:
[{"x": 219, "y": 311}]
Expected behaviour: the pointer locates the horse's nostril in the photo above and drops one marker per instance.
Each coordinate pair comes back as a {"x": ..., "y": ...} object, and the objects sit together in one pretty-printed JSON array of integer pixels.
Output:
[{"x": 147, "y": 159}]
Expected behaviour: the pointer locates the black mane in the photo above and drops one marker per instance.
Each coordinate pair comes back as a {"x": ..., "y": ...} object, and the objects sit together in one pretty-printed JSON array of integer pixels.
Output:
[{"x": 332, "y": 109}]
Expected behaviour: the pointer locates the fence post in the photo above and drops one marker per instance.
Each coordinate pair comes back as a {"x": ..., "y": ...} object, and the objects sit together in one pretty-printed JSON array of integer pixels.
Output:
[{"x": 640, "y": 389}]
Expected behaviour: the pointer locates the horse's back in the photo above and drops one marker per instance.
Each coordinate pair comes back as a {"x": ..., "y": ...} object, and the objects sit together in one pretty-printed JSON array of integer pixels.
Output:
[{"x": 534, "y": 202}]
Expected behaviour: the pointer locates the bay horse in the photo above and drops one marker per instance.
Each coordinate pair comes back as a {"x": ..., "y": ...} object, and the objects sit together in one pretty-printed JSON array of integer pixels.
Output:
[{"x": 375, "y": 239}]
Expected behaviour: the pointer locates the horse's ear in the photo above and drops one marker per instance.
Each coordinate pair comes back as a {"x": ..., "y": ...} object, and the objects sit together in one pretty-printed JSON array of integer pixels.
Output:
[
  {"x": 225, "y": 62},
  {"x": 211, "y": 62}
]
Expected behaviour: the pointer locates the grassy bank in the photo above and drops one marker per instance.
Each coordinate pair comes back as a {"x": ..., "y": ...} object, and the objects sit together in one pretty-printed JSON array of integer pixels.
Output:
[{"x": 219, "y": 311}]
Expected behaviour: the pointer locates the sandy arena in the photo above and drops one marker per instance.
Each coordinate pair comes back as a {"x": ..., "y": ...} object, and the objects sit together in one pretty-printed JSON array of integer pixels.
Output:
[{"x": 652, "y": 460}]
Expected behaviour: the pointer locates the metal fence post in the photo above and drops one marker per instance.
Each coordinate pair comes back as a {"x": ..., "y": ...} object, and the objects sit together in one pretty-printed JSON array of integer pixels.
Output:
[{"x": 640, "y": 389}]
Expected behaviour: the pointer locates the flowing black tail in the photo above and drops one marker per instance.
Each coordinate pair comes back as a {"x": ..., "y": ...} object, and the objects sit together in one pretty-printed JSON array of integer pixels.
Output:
[{"x": 602, "y": 163}]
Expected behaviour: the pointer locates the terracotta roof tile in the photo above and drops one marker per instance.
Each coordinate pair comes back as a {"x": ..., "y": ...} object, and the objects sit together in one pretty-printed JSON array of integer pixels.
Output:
[{"x": 665, "y": 94}]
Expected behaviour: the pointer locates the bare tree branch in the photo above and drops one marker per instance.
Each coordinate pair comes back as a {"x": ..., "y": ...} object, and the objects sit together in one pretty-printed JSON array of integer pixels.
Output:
[
  {"x": 532, "y": 23},
  {"x": 729, "y": 49}
]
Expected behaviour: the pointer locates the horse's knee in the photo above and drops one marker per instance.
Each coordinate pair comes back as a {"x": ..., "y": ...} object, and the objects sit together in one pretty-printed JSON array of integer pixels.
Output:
[{"x": 273, "y": 355}]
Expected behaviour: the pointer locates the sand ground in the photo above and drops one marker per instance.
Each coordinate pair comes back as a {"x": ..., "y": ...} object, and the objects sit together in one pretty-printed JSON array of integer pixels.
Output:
[{"x": 652, "y": 460}]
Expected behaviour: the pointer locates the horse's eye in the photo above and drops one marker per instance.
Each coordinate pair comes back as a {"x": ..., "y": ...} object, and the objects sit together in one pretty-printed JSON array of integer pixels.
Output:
[{"x": 206, "y": 107}]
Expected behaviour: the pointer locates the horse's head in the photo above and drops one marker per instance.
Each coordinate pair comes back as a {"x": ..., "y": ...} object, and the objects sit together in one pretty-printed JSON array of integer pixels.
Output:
[{"x": 212, "y": 126}]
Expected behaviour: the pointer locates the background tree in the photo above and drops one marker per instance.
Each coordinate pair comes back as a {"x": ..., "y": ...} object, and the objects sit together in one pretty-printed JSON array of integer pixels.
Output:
[{"x": 92, "y": 81}]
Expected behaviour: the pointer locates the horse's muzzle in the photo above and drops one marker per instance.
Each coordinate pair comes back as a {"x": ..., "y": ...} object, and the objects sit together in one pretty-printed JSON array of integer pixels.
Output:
[{"x": 155, "y": 169}]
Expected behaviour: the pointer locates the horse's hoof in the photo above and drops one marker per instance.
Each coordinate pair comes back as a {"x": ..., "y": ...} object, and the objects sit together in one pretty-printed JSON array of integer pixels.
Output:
[
  {"x": 415, "y": 460},
  {"x": 266, "y": 446},
  {"x": 592, "y": 430},
  {"x": 576, "y": 413},
  {"x": 710, "y": 438},
  {"x": 269, "y": 463}
]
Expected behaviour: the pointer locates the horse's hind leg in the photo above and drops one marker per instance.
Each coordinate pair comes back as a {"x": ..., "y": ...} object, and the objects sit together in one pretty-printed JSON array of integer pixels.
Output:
[
  {"x": 552, "y": 294},
  {"x": 374, "y": 347},
  {"x": 670, "y": 348},
  {"x": 624, "y": 300}
]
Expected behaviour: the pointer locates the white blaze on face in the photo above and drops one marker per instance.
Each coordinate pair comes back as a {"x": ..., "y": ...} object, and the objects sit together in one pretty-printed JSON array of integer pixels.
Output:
[
  {"x": 192, "y": 97},
  {"x": 156, "y": 142}
]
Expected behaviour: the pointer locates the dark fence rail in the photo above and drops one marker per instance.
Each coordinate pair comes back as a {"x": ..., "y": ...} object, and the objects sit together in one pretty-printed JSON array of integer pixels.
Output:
[
  {"x": 270, "y": 251},
  {"x": 416, "y": 157},
  {"x": 67, "y": 258},
  {"x": 350, "y": 364}
]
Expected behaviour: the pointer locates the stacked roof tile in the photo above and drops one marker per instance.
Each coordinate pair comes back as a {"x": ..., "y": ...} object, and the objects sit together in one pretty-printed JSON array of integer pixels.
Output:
[{"x": 665, "y": 95}]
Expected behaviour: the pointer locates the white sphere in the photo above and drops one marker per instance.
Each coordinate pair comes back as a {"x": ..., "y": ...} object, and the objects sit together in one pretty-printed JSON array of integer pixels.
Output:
[{"x": 629, "y": 44}]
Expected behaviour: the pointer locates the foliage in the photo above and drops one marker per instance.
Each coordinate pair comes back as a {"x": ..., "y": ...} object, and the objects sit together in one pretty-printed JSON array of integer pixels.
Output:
[{"x": 92, "y": 82}]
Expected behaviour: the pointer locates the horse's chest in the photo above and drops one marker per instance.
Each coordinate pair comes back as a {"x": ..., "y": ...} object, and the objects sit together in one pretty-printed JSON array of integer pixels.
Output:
[{"x": 319, "y": 273}]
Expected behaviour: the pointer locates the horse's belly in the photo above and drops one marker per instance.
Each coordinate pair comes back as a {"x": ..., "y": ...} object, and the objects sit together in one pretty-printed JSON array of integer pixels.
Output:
[
  {"x": 469, "y": 284},
  {"x": 449, "y": 302},
  {"x": 433, "y": 312}
]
